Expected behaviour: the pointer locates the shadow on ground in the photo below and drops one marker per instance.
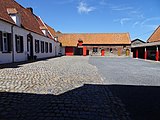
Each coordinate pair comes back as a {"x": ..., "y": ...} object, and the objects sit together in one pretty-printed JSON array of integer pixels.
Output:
[
  {"x": 19, "y": 64},
  {"x": 89, "y": 102}
]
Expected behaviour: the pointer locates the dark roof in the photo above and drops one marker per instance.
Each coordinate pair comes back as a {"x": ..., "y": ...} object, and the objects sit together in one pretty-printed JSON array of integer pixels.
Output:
[{"x": 137, "y": 40}]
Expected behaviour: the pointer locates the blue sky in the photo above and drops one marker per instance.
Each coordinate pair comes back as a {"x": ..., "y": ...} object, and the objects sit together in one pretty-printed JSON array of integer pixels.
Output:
[{"x": 138, "y": 17}]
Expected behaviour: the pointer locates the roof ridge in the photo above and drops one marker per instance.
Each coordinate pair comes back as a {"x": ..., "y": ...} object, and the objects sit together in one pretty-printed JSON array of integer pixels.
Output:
[{"x": 98, "y": 33}]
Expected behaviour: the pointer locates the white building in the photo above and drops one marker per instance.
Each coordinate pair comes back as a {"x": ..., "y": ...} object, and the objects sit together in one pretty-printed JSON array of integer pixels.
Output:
[{"x": 23, "y": 35}]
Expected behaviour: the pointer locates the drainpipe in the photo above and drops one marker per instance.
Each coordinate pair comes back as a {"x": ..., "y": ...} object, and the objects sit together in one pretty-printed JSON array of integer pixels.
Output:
[{"x": 12, "y": 44}]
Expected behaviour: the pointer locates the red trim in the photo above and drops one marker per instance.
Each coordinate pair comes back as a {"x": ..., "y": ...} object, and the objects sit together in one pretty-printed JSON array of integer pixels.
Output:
[
  {"x": 102, "y": 52},
  {"x": 80, "y": 43},
  {"x": 136, "y": 53},
  {"x": 145, "y": 54},
  {"x": 84, "y": 50},
  {"x": 69, "y": 51},
  {"x": 157, "y": 55}
]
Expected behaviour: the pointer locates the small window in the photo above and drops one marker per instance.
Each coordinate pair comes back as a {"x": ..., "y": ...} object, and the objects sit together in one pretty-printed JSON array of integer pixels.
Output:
[
  {"x": 42, "y": 47},
  {"x": 19, "y": 43},
  {"x": 50, "y": 47},
  {"x": 37, "y": 46},
  {"x": 5, "y": 42},
  {"x": 95, "y": 49},
  {"x": 111, "y": 51},
  {"x": 46, "y": 47}
]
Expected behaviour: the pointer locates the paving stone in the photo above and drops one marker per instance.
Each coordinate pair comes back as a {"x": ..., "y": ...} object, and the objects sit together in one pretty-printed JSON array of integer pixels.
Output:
[{"x": 58, "y": 88}]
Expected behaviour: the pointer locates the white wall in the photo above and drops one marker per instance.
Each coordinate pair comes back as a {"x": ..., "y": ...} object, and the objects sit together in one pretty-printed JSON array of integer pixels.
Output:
[
  {"x": 7, "y": 57},
  {"x": 63, "y": 50},
  {"x": 45, "y": 39},
  {"x": 22, "y": 32}
]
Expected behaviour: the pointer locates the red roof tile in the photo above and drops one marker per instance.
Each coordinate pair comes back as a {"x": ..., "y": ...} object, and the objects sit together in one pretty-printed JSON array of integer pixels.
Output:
[
  {"x": 95, "y": 38},
  {"x": 28, "y": 20},
  {"x": 155, "y": 36}
]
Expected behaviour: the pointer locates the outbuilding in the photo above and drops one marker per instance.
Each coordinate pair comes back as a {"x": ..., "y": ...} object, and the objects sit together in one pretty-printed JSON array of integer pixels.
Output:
[
  {"x": 149, "y": 50},
  {"x": 96, "y": 44}
]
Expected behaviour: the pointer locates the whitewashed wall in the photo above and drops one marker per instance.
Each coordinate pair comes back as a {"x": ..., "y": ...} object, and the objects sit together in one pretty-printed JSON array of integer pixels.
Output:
[
  {"x": 7, "y": 57},
  {"x": 63, "y": 50}
]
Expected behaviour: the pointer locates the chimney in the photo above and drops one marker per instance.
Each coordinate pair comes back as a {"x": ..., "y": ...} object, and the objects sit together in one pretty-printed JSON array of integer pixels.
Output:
[{"x": 30, "y": 9}]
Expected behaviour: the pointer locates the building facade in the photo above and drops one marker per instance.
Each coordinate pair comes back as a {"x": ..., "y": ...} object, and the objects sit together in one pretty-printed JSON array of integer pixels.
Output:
[
  {"x": 96, "y": 44},
  {"x": 23, "y": 35},
  {"x": 149, "y": 50}
]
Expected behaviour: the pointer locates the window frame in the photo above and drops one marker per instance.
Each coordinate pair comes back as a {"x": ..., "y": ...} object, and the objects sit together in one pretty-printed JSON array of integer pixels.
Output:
[
  {"x": 50, "y": 47},
  {"x": 95, "y": 49},
  {"x": 19, "y": 44},
  {"x": 37, "y": 50},
  {"x": 42, "y": 46},
  {"x": 5, "y": 44},
  {"x": 46, "y": 47}
]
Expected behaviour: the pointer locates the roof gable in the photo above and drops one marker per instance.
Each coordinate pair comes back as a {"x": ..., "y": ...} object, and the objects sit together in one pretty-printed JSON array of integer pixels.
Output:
[{"x": 155, "y": 36}]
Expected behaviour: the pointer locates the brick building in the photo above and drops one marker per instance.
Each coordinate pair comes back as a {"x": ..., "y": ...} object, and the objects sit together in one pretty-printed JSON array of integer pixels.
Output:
[
  {"x": 150, "y": 49},
  {"x": 98, "y": 44}
]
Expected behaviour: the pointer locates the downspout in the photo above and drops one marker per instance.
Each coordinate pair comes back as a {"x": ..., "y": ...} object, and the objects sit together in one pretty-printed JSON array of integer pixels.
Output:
[{"x": 12, "y": 44}]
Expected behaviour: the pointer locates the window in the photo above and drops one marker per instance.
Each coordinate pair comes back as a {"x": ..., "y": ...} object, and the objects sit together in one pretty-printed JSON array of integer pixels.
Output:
[
  {"x": 19, "y": 43},
  {"x": 46, "y": 47},
  {"x": 42, "y": 47},
  {"x": 95, "y": 49},
  {"x": 50, "y": 47},
  {"x": 111, "y": 51},
  {"x": 5, "y": 42},
  {"x": 37, "y": 46}
]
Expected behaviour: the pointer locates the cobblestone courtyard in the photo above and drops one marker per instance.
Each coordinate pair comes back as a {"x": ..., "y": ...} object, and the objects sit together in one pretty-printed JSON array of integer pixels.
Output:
[
  {"x": 51, "y": 76},
  {"x": 74, "y": 88}
]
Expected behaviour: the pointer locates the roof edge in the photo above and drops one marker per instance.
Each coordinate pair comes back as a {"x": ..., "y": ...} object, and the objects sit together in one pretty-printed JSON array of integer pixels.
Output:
[{"x": 153, "y": 33}]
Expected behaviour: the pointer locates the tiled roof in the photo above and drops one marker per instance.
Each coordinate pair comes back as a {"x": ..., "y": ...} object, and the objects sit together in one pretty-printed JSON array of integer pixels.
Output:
[
  {"x": 51, "y": 30},
  {"x": 155, "y": 36},
  {"x": 43, "y": 26},
  {"x": 12, "y": 11},
  {"x": 95, "y": 38},
  {"x": 28, "y": 20}
]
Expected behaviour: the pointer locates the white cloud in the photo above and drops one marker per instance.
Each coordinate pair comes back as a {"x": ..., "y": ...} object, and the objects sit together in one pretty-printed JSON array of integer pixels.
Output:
[
  {"x": 151, "y": 22},
  {"x": 135, "y": 24},
  {"x": 150, "y": 19},
  {"x": 121, "y": 8},
  {"x": 84, "y": 8},
  {"x": 124, "y": 20}
]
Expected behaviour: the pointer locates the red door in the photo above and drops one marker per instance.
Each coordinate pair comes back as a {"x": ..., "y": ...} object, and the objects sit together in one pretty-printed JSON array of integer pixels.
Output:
[
  {"x": 69, "y": 51},
  {"x": 102, "y": 52}
]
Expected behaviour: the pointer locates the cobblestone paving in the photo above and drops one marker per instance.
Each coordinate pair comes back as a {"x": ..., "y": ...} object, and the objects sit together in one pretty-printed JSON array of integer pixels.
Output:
[
  {"x": 54, "y": 89},
  {"x": 53, "y": 76}
]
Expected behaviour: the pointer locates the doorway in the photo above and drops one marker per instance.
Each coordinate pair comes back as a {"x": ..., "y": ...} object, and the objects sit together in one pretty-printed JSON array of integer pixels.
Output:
[{"x": 30, "y": 47}]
